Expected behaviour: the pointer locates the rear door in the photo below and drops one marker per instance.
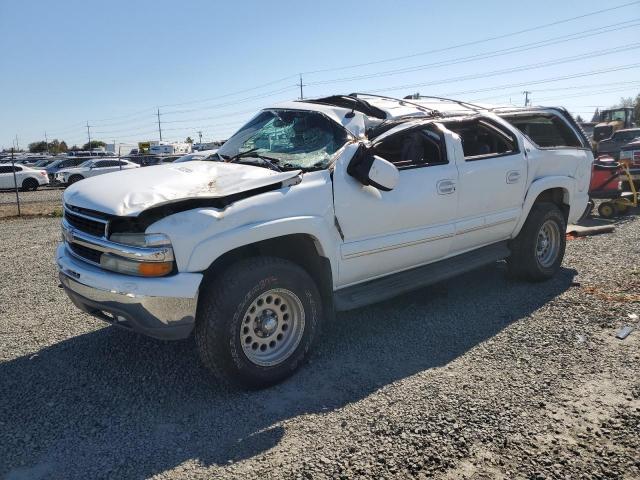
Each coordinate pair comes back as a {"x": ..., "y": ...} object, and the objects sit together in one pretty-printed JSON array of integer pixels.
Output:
[
  {"x": 493, "y": 178},
  {"x": 386, "y": 232}
]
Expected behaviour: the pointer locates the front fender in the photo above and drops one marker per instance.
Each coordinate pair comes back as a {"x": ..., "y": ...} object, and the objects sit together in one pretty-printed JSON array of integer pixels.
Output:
[
  {"x": 567, "y": 184},
  {"x": 207, "y": 251}
]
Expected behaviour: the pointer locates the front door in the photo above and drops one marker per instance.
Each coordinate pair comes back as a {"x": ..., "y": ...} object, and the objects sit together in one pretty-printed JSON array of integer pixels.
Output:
[{"x": 386, "y": 232}]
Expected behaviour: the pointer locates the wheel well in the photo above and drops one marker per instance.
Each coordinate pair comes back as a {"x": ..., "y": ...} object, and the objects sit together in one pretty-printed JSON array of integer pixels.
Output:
[
  {"x": 301, "y": 249},
  {"x": 558, "y": 196}
]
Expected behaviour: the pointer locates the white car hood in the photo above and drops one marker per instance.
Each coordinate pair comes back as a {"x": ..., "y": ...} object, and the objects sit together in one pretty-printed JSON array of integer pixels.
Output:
[{"x": 129, "y": 192}]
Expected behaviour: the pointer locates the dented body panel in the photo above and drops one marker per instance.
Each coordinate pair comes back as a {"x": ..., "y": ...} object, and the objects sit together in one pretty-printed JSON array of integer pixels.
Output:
[{"x": 205, "y": 210}]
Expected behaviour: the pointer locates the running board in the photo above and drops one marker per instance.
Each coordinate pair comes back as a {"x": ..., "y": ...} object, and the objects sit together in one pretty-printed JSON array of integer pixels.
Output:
[{"x": 390, "y": 286}]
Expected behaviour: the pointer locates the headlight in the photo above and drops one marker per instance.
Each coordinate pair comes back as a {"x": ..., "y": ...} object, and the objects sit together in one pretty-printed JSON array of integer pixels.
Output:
[
  {"x": 155, "y": 262},
  {"x": 133, "y": 267},
  {"x": 141, "y": 239}
]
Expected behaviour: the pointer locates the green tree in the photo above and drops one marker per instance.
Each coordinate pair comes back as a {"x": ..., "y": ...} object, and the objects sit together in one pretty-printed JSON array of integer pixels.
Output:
[
  {"x": 38, "y": 147},
  {"x": 579, "y": 119},
  {"x": 189, "y": 140},
  {"x": 94, "y": 144}
]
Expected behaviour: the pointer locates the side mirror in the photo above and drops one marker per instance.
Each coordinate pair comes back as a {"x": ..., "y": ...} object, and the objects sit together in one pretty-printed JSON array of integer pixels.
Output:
[{"x": 370, "y": 169}]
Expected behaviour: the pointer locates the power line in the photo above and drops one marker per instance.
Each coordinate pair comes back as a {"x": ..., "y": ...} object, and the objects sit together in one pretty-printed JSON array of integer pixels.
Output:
[
  {"x": 545, "y": 80},
  {"x": 619, "y": 49},
  {"x": 475, "y": 42},
  {"x": 486, "y": 55}
]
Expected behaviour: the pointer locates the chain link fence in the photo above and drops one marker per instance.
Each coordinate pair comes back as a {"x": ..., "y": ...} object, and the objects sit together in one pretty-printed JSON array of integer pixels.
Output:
[{"x": 18, "y": 198}]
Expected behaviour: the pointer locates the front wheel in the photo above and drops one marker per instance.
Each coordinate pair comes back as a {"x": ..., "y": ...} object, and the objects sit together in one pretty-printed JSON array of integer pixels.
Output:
[
  {"x": 258, "y": 321},
  {"x": 74, "y": 178},
  {"x": 538, "y": 250}
]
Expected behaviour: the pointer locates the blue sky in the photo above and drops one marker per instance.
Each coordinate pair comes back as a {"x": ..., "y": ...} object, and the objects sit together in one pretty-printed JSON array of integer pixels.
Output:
[{"x": 113, "y": 63}]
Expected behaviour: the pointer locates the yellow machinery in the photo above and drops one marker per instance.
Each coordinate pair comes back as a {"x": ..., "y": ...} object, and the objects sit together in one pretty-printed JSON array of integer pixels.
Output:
[{"x": 626, "y": 200}]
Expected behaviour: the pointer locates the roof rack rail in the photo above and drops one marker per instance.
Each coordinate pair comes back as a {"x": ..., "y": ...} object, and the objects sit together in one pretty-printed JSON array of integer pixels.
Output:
[
  {"x": 432, "y": 111},
  {"x": 459, "y": 102}
]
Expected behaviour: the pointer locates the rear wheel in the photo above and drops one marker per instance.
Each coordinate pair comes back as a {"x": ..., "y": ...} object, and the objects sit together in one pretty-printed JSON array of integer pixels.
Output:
[
  {"x": 29, "y": 184},
  {"x": 74, "y": 178},
  {"x": 258, "y": 321},
  {"x": 538, "y": 250}
]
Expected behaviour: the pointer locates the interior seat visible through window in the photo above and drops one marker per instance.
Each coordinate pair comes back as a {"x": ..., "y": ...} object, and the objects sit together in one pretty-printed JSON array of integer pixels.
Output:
[
  {"x": 415, "y": 148},
  {"x": 481, "y": 138}
]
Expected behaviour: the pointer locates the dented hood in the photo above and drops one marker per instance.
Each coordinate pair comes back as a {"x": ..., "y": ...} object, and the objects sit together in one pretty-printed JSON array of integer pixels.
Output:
[{"x": 129, "y": 192}]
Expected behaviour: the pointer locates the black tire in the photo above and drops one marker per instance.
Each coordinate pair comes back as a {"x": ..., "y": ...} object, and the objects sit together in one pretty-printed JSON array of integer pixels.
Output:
[
  {"x": 29, "y": 184},
  {"x": 524, "y": 262},
  {"x": 74, "y": 178},
  {"x": 607, "y": 210},
  {"x": 224, "y": 304}
]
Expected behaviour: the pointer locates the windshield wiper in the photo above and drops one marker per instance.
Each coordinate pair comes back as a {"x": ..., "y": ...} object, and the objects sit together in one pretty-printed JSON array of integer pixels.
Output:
[{"x": 269, "y": 161}]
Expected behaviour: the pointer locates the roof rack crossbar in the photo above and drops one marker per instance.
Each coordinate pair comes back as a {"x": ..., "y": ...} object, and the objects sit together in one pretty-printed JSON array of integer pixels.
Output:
[
  {"x": 401, "y": 101},
  {"x": 459, "y": 102}
]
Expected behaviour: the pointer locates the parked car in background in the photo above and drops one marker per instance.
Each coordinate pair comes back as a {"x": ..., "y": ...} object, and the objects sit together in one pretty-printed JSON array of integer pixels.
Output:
[
  {"x": 201, "y": 155},
  {"x": 26, "y": 178},
  {"x": 159, "y": 160},
  {"x": 631, "y": 152},
  {"x": 92, "y": 168},
  {"x": 62, "y": 163},
  {"x": 611, "y": 146}
]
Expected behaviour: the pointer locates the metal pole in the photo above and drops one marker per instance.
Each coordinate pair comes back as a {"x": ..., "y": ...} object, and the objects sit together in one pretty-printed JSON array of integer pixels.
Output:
[
  {"x": 301, "y": 95},
  {"x": 159, "y": 126},
  {"x": 119, "y": 162},
  {"x": 89, "y": 135},
  {"x": 526, "y": 97},
  {"x": 46, "y": 142},
  {"x": 15, "y": 182}
]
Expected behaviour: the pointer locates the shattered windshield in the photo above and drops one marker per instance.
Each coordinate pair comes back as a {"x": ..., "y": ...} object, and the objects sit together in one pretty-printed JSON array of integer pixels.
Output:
[{"x": 292, "y": 138}]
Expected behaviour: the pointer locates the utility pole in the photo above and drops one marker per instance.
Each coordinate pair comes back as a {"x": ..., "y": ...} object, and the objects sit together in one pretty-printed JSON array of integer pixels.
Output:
[
  {"x": 159, "y": 126},
  {"x": 89, "y": 135},
  {"x": 46, "y": 142},
  {"x": 301, "y": 85},
  {"x": 200, "y": 136},
  {"x": 526, "y": 94},
  {"x": 17, "y": 144}
]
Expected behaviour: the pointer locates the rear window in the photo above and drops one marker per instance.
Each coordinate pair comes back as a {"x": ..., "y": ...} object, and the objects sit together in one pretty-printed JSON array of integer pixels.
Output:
[{"x": 546, "y": 131}]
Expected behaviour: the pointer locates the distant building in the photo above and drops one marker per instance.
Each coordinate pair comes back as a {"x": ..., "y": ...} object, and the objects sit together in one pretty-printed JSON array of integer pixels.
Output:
[
  {"x": 120, "y": 148},
  {"x": 167, "y": 148}
]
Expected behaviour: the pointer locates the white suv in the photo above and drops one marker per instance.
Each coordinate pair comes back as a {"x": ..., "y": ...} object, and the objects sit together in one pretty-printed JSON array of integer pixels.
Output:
[
  {"x": 92, "y": 168},
  {"x": 26, "y": 178},
  {"x": 317, "y": 206}
]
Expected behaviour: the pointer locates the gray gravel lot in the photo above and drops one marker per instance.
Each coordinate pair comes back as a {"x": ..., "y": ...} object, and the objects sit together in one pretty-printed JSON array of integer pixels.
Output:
[
  {"x": 478, "y": 377},
  {"x": 43, "y": 194}
]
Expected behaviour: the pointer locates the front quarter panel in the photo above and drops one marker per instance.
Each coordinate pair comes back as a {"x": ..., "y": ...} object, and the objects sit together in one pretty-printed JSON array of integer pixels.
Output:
[{"x": 201, "y": 235}]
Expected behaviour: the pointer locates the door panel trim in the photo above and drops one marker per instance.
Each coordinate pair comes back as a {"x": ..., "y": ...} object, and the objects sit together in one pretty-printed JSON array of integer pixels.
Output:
[{"x": 395, "y": 241}]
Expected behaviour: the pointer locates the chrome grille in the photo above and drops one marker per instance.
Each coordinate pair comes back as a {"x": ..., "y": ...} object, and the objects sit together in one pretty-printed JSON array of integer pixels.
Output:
[{"x": 90, "y": 225}]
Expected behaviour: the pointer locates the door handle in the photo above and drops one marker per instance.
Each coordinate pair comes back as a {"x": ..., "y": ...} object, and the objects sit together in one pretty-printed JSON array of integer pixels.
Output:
[
  {"x": 446, "y": 187},
  {"x": 513, "y": 176}
]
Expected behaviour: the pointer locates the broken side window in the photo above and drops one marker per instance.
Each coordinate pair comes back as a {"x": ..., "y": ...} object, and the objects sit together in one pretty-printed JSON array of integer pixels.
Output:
[
  {"x": 483, "y": 139},
  {"x": 413, "y": 148},
  {"x": 545, "y": 130}
]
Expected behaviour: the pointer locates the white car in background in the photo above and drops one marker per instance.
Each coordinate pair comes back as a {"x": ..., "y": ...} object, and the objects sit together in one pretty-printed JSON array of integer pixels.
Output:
[
  {"x": 26, "y": 178},
  {"x": 201, "y": 155},
  {"x": 92, "y": 168}
]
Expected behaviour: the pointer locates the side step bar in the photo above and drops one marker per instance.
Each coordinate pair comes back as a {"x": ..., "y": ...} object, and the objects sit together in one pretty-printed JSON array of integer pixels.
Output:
[{"x": 390, "y": 286}]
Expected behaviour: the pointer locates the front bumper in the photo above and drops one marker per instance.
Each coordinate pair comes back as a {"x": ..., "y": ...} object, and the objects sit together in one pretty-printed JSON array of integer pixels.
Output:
[{"x": 163, "y": 307}]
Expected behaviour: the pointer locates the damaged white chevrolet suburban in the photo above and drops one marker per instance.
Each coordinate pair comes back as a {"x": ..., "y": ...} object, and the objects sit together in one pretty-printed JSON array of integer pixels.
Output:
[{"x": 316, "y": 206}]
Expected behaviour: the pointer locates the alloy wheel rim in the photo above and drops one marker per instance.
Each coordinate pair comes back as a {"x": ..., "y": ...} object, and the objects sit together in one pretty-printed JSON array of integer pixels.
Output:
[
  {"x": 272, "y": 327},
  {"x": 548, "y": 243}
]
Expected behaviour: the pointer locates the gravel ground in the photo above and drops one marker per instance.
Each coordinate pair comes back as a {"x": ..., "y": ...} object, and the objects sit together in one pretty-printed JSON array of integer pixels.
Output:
[
  {"x": 477, "y": 377},
  {"x": 42, "y": 194}
]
